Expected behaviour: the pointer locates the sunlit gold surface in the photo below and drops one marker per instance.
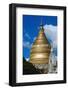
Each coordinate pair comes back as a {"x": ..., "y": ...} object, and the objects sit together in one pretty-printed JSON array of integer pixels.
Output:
[
  {"x": 39, "y": 55},
  {"x": 40, "y": 50}
]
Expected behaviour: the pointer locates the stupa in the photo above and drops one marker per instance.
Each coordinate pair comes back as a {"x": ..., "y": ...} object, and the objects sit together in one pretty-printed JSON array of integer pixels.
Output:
[{"x": 40, "y": 52}]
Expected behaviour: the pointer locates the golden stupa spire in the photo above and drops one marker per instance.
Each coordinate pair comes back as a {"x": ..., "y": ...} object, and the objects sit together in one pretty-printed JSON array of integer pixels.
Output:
[{"x": 40, "y": 50}]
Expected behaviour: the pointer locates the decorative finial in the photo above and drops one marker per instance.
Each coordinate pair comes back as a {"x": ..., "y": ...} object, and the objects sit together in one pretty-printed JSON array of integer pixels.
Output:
[
  {"x": 41, "y": 25},
  {"x": 41, "y": 22}
]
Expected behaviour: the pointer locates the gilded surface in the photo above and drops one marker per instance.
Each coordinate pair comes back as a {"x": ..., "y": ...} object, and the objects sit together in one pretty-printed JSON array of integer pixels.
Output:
[{"x": 40, "y": 50}]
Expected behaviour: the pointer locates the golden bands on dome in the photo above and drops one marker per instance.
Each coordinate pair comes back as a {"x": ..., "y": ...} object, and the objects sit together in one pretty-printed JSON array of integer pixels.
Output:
[
  {"x": 40, "y": 41},
  {"x": 38, "y": 61},
  {"x": 46, "y": 50},
  {"x": 41, "y": 35},
  {"x": 41, "y": 46},
  {"x": 32, "y": 52},
  {"x": 40, "y": 38},
  {"x": 39, "y": 55}
]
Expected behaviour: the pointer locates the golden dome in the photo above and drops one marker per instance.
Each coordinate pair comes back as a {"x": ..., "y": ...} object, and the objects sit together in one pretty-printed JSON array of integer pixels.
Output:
[{"x": 40, "y": 50}]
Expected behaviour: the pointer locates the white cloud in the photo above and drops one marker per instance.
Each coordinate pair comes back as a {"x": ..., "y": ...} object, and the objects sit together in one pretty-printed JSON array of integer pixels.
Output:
[
  {"x": 51, "y": 33},
  {"x": 27, "y": 59},
  {"x": 27, "y": 35},
  {"x": 26, "y": 44}
]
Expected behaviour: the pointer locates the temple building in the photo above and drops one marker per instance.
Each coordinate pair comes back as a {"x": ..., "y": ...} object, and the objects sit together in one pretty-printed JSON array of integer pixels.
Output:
[{"x": 40, "y": 52}]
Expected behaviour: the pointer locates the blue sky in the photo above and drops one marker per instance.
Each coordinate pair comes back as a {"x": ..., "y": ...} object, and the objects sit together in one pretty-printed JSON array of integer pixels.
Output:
[{"x": 30, "y": 29}]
